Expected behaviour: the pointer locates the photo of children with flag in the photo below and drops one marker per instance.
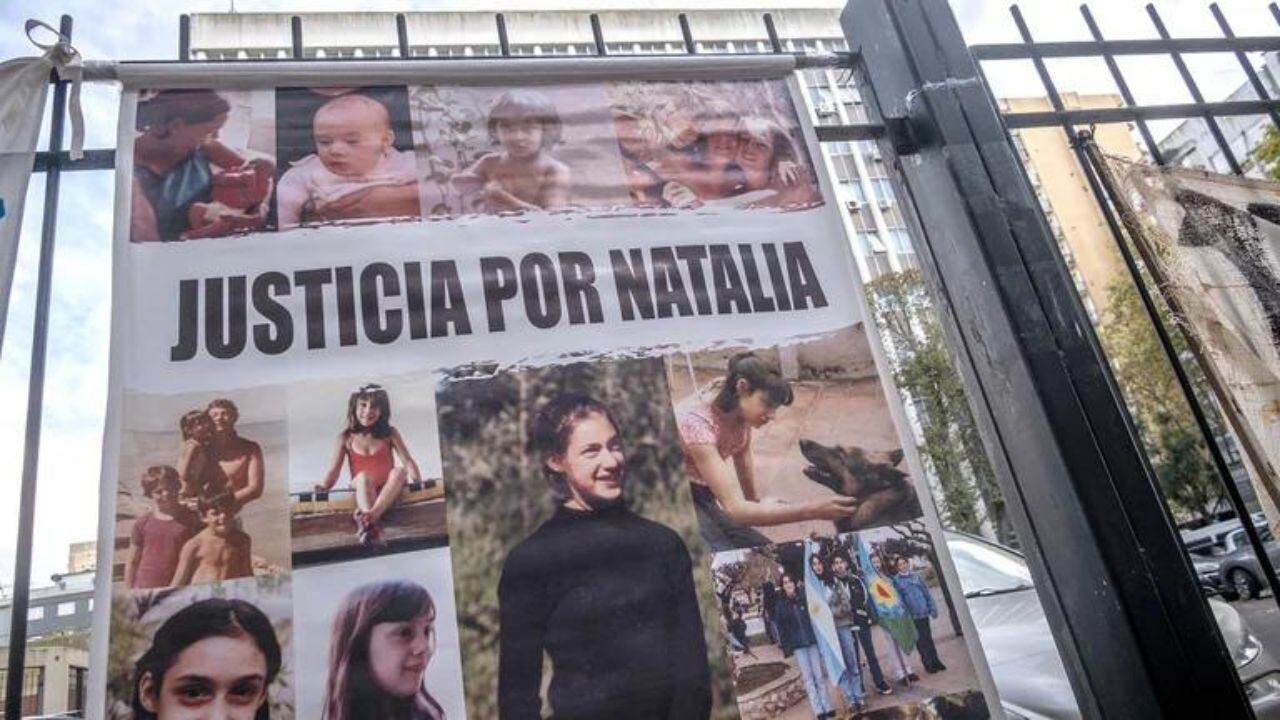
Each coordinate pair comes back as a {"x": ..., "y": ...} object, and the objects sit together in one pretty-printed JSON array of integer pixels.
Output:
[{"x": 869, "y": 605}]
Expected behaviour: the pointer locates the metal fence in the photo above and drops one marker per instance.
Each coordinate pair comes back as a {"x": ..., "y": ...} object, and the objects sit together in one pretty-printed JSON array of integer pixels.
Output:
[{"x": 920, "y": 28}]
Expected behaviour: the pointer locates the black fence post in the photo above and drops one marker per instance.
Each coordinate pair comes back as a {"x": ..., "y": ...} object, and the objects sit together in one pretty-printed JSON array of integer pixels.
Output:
[
  {"x": 35, "y": 407},
  {"x": 1136, "y": 636}
]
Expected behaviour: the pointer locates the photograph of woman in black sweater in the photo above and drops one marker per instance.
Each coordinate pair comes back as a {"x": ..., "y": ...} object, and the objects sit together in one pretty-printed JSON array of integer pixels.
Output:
[{"x": 606, "y": 594}]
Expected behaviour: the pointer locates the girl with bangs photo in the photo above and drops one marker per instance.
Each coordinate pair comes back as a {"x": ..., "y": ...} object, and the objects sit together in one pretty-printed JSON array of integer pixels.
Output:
[
  {"x": 716, "y": 426},
  {"x": 383, "y": 639},
  {"x": 369, "y": 444}
]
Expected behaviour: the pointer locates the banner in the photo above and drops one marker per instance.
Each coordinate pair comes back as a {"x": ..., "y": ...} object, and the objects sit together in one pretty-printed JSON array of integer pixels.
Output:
[
  {"x": 1213, "y": 245},
  {"x": 501, "y": 401}
]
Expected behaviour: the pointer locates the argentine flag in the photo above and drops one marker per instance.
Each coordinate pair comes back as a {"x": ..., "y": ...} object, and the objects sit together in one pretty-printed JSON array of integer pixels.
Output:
[
  {"x": 824, "y": 624},
  {"x": 893, "y": 617}
]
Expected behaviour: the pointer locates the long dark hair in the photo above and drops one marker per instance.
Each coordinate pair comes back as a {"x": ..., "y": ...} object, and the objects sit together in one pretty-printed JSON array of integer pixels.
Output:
[
  {"x": 759, "y": 376},
  {"x": 550, "y": 430},
  {"x": 214, "y": 617},
  {"x": 351, "y": 693},
  {"x": 378, "y": 396}
]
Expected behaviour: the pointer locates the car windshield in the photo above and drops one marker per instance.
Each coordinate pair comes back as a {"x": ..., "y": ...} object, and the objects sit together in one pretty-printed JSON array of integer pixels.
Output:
[{"x": 986, "y": 569}]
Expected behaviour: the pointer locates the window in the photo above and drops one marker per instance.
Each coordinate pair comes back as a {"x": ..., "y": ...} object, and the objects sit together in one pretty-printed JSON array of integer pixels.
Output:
[
  {"x": 66, "y": 608},
  {"x": 35, "y": 613}
]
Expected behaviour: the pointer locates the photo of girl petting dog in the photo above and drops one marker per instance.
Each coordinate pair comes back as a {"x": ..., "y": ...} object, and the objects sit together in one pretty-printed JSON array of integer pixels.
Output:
[{"x": 787, "y": 441}]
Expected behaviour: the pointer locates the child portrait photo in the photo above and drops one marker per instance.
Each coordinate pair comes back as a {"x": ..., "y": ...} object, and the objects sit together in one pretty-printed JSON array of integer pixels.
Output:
[
  {"x": 203, "y": 164},
  {"x": 364, "y": 465},
  {"x": 783, "y": 442},
  {"x": 501, "y": 150},
  {"x": 377, "y": 639},
  {"x": 197, "y": 651},
  {"x": 202, "y": 488},
  {"x": 346, "y": 155},
  {"x": 573, "y": 539}
]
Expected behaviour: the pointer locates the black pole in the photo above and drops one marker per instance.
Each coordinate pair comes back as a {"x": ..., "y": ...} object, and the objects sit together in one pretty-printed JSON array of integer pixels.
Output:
[
  {"x": 35, "y": 409},
  {"x": 775, "y": 43},
  {"x": 597, "y": 34},
  {"x": 1102, "y": 183},
  {"x": 504, "y": 43},
  {"x": 402, "y": 35},
  {"x": 686, "y": 32},
  {"x": 1152, "y": 146},
  {"x": 1245, "y": 65},
  {"x": 295, "y": 36},
  {"x": 184, "y": 38}
]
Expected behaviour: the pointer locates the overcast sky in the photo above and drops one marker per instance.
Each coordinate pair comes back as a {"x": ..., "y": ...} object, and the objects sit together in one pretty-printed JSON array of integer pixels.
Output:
[{"x": 75, "y": 393}]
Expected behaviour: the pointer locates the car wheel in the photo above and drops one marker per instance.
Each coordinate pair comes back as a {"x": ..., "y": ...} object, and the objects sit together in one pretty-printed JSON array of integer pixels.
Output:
[{"x": 1244, "y": 584}]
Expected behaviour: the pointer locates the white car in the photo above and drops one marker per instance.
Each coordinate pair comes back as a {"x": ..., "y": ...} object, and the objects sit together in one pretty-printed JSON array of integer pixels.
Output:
[{"x": 1024, "y": 660}]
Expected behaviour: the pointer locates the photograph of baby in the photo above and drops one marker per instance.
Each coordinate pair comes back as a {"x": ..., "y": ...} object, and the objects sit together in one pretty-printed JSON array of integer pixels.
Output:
[
  {"x": 693, "y": 144},
  {"x": 364, "y": 468},
  {"x": 203, "y": 164},
  {"x": 379, "y": 640},
  {"x": 853, "y": 625},
  {"x": 346, "y": 154},
  {"x": 497, "y": 150},
  {"x": 201, "y": 489},
  {"x": 783, "y": 442},
  {"x": 573, "y": 539},
  {"x": 201, "y": 651}
]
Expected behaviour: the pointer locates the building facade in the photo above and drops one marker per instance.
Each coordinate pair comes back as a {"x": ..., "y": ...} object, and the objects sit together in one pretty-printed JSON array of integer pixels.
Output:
[
  {"x": 873, "y": 217},
  {"x": 1192, "y": 145}
]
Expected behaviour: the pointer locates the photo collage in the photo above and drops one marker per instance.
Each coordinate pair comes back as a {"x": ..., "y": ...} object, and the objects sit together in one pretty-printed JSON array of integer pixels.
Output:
[
  {"x": 214, "y": 163},
  {"x": 718, "y": 533}
]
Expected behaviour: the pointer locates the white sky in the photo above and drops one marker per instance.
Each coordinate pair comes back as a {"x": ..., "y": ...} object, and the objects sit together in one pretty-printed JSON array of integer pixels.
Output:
[{"x": 75, "y": 393}]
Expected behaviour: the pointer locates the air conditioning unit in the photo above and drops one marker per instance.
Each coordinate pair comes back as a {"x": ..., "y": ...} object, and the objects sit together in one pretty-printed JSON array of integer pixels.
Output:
[
  {"x": 885, "y": 204},
  {"x": 825, "y": 109},
  {"x": 853, "y": 206}
]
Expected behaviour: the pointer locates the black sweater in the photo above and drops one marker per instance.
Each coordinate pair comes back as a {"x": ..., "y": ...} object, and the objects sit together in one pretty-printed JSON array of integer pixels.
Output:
[{"x": 609, "y": 596}]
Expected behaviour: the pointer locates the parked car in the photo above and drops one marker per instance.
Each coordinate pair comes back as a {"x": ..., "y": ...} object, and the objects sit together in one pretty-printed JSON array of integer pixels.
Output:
[
  {"x": 1024, "y": 660},
  {"x": 1239, "y": 571}
]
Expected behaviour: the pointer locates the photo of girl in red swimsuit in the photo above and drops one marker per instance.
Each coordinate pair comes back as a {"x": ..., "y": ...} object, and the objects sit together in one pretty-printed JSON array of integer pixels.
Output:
[{"x": 368, "y": 446}]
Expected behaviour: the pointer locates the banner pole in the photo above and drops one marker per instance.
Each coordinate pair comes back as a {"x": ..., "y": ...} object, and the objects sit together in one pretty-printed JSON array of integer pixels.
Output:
[{"x": 35, "y": 408}]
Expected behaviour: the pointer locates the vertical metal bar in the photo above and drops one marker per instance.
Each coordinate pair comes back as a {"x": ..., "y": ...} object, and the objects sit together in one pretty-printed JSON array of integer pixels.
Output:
[
  {"x": 687, "y": 33},
  {"x": 1152, "y": 146},
  {"x": 402, "y": 35},
  {"x": 1275, "y": 11},
  {"x": 1247, "y": 66},
  {"x": 1194, "y": 89},
  {"x": 35, "y": 406},
  {"x": 1104, "y": 189},
  {"x": 771, "y": 29},
  {"x": 1042, "y": 69},
  {"x": 504, "y": 43},
  {"x": 597, "y": 33},
  {"x": 295, "y": 35},
  {"x": 184, "y": 38}
]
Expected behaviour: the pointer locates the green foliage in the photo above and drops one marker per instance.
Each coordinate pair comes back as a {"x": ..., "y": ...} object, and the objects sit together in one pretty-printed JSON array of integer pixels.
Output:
[
  {"x": 924, "y": 373},
  {"x": 1267, "y": 153},
  {"x": 497, "y": 496},
  {"x": 1168, "y": 430}
]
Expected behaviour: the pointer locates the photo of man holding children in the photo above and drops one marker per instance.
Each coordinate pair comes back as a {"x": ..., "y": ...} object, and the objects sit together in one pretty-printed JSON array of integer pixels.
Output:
[
  {"x": 364, "y": 468},
  {"x": 573, "y": 539},
  {"x": 346, "y": 155},
  {"x": 850, "y": 625},
  {"x": 377, "y": 639},
  {"x": 202, "y": 489},
  {"x": 202, "y": 651},
  {"x": 783, "y": 442},
  {"x": 694, "y": 144},
  {"x": 203, "y": 164},
  {"x": 502, "y": 150}
]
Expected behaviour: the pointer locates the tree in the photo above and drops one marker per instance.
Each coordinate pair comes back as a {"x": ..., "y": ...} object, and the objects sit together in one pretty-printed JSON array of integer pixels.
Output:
[
  {"x": 1267, "y": 154},
  {"x": 1168, "y": 431},
  {"x": 923, "y": 371}
]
